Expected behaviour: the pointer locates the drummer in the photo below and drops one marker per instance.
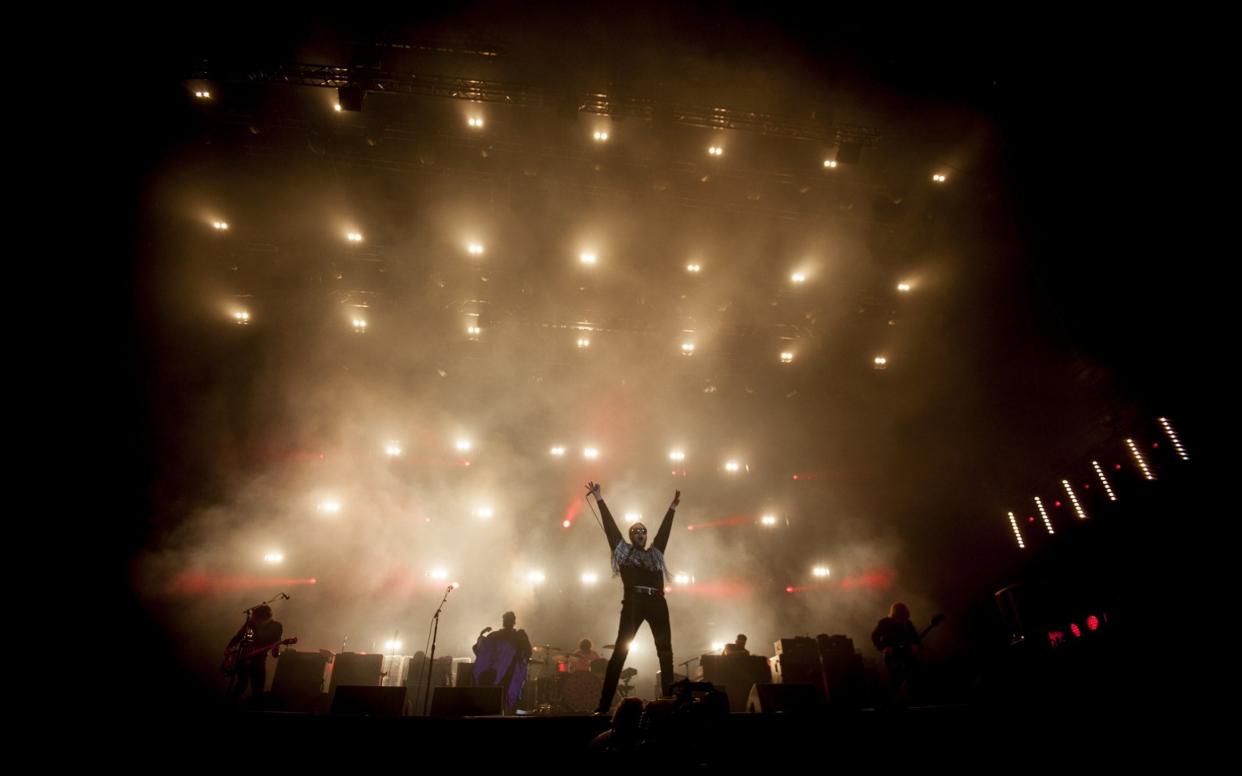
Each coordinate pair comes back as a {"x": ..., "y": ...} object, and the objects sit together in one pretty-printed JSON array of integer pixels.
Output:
[{"x": 580, "y": 660}]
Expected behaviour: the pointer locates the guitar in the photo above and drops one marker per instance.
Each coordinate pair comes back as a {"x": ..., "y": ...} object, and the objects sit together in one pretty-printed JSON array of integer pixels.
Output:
[
  {"x": 902, "y": 654},
  {"x": 234, "y": 656}
]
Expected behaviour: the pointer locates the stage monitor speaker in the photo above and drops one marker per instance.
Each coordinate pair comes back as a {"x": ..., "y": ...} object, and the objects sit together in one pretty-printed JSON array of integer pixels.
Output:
[
  {"x": 298, "y": 684},
  {"x": 368, "y": 701},
  {"x": 783, "y": 699},
  {"x": 736, "y": 674},
  {"x": 466, "y": 701},
  {"x": 357, "y": 669}
]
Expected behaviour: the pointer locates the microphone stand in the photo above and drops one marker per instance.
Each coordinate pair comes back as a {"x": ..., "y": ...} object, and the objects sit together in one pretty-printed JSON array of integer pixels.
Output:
[{"x": 435, "y": 632}]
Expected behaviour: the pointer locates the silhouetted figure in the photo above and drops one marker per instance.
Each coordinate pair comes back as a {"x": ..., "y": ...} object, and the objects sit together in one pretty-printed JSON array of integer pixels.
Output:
[
  {"x": 501, "y": 659},
  {"x": 898, "y": 639},
  {"x": 246, "y": 653},
  {"x": 738, "y": 647}
]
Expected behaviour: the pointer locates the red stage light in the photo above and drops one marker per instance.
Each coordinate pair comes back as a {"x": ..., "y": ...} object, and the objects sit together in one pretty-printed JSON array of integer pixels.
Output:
[
  {"x": 1093, "y": 622},
  {"x": 1074, "y": 629}
]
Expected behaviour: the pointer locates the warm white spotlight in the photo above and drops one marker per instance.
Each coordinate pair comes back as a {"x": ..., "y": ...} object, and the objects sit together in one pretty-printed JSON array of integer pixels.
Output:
[
  {"x": 583, "y": 342},
  {"x": 938, "y": 178},
  {"x": 718, "y": 646},
  {"x": 715, "y": 151},
  {"x": 820, "y": 572},
  {"x": 1044, "y": 513},
  {"x": 535, "y": 577},
  {"x": 392, "y": 646},
  {"x": 1172, "y": 435},
  {"x": 786, "y": 357},
  {"x": 632, "y": 517},
  {"x": 601, "y": 136},
  {"x": 354, "y": 236},
  {"x": 330, "y": 506},
  {"x": 438, "y": 573},
  {"x": 590, "y": 453},
  {"x": 587, "y": 258},
  {"x": 475, "y": 249},
  {"x": 360, "y": 325},
  {"x": 589, "y": 578},
  {"x": 474, "y": 331},
  {"x": 732, "y": 466},
  {"x": 693, "y": 269},
  {"x": 682, "y": 579},
  {"x": 273, "y": 557},
  {"x": 475, "y": 122},
  {"x": 880, "y": 362},
  {"x": 1073, "y": 497},
  {"x": 392, "y": 449},
  {"x": 241, "y": 317},
  {"x": 220, "y": 226},
  {"x": 558, "y": 451},
  {"x": 337, "y": 107},
  {"x": 1138, "y": 459},
  {"x": 1017, "y": 534},
  {"x": 903, "y": 287},
  {"x": 462, "y": 445},
  {"x": 687, "y": 348},
  {"x": 798, "y": 277},
  {"x": 768, "y": 519},
  {"x": 830, "y": 163},
  {"x": 1107, "y": 488},
  {"x": 484, "y": 513},
  {"x": 677, "y": 455}
]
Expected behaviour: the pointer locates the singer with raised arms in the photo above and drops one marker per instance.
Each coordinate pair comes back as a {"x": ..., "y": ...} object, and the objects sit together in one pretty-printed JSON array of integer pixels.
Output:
[{"x": 642, "y": 570}]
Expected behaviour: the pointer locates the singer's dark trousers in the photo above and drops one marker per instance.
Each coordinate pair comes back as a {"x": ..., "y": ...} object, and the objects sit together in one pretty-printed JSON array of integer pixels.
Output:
[
  {"x": 254, "y": 674},
  {"x": 636, "y": 608}
]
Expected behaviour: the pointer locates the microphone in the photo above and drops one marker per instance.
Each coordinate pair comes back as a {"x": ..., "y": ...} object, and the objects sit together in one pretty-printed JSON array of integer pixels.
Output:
[{"x": 285, "y": 596}]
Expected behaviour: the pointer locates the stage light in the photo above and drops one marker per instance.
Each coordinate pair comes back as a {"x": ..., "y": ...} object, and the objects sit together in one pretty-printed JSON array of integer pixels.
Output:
[
  {"x": 682, "y": 579},
  {"x": 715, "y": 151},
  {"x": 938, "y": 178},
  {"x": 360, "y": 325},
  {"x": 718, "y": 646},
  {"x": 354, "y": 236},
  {"x": 1107, "y": 488},
  {"x": 535, "y": 577},
  {"x": 1093, "y": 622},
  {"x": 589, "y": 578},
  {"x": 475, "y": 122},
  {"x": 1013, "y": 521},
  {"x": 438, "y": 573},
  {"x": 241, "y": 318},
  {"x": 1177, "y": 443},
  {"x": 462, "y": 445},
  {"x": 583, "y": 342},
  {"x": 475, "y": 249},
  {"x": 798, "y": 277},
  {"x": 601, "y": 136},
  {"x": 392, "y": 646},
  {"x": 830, "y": 164},
  {"x": 677, "y": 455},
  {"x": 687, "y": 348},
  {"x": 565, "y": 524},
  {"x": 768, "y": 519},
  {"x": 880, "y": 362},
  {"x": 474, "y": 331},
  {"x": 273, "y": 557},
  {"x": 587, "y": 258},
  {"x": 1044, "y": 513},
  {"x": 203, "y": 95},
  {"x": 903, "y": 287},
  {"x": 820, "y": 572},
  {"x": 330, "y": 506},
  {"x": 392, "y": 450},
  {"x": 1138, "y": 459},
  {"x": 1078, "y": 510},
  {"x": 558, "y": 452},
  {"x": 484, "y": 513},
  {"x": 787, "y": 357},
  {"x": 632, "y": 517},
  {"x": 732, "y": 466},
  {"x": 693, "y": 268},
  {"x": 337, "y": 107},
  {"x": 220, "y": 226},
  {"x": 590, "y": 453}
]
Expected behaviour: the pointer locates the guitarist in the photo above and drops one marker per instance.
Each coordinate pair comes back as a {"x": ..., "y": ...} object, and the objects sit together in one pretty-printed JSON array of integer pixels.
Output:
[
  {"x": 246, "y": 654},
  {"x": 900, "y": 642}
]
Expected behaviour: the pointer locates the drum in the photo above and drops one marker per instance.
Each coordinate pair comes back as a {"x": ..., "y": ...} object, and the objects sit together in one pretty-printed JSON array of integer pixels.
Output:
[{"x": 580, "y": 692}]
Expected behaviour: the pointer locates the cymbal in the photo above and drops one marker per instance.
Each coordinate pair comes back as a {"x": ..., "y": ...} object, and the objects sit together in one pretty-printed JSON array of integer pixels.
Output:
[
  {"x": 548, "y": 648},
  {"x": 609, "y": 646}
]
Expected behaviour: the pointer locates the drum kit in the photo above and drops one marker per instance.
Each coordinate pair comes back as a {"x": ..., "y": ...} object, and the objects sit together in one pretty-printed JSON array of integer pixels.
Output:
[{"x": 562, "y": 690}]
